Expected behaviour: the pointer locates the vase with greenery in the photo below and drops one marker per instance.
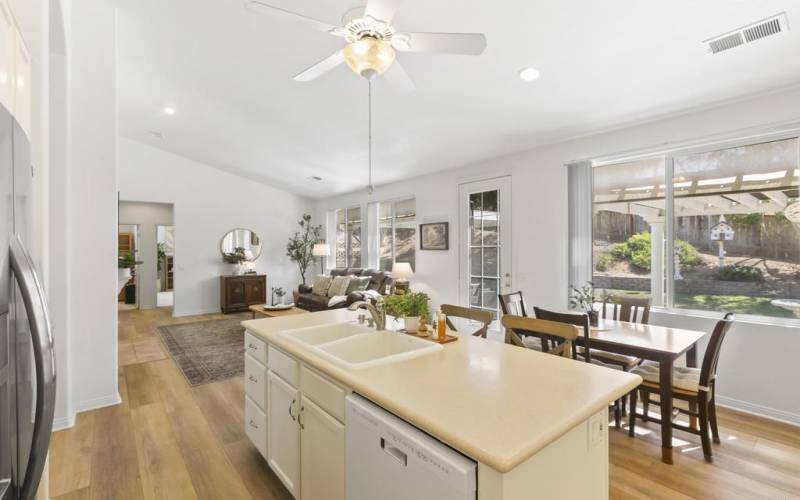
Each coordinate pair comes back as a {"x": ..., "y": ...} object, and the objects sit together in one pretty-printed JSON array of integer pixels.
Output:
[
  {"x": 411, "y": 307},
  {"x": 300, "y": 247},
  {"x": 127, "y": 260},
  {"x": 161, "y": 251},
  {"x": 584, "y": 298},
  {"x": 236, "y": 258}
]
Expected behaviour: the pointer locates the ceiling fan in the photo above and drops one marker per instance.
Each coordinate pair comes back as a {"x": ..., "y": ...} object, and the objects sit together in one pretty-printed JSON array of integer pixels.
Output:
[{"x": 372, "y": 41}]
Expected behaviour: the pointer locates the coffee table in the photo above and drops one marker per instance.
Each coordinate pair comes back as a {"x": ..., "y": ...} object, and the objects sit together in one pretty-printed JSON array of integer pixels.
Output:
[{"x": 270, "y": 313}]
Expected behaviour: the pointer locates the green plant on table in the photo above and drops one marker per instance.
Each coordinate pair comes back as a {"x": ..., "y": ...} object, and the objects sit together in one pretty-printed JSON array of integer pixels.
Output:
[
  {"x": 409, "y": 305},
  {"x": 127, "y": 261},
  {"x": 236, "y": 257},
  {"x": 582, "y": 298}
]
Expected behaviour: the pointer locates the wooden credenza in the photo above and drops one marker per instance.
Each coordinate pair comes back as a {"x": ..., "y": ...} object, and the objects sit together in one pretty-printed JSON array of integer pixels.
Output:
[{"x": 237, "y": 293}]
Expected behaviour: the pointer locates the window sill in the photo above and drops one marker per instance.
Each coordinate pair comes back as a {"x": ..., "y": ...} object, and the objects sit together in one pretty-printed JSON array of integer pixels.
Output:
[{"x": 740, "y": 318}]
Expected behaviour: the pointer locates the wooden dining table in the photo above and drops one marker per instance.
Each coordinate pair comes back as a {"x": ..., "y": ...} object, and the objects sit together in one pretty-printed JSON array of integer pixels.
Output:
[{"x": 656, "y": 343}]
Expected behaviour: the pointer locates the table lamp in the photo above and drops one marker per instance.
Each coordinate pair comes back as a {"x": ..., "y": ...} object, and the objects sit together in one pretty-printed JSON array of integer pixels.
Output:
[
  {"x": 321, "y": 250},
  {"x": 401, "y": 271}
]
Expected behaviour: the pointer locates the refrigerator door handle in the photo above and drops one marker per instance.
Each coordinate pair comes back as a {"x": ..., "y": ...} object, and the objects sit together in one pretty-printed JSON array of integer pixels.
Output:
[{"x": 36, "y": 306}]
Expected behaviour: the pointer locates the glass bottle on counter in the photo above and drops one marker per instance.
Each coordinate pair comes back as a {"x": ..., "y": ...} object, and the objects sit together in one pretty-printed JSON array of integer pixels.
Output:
[{"x": 441, "y": 325}]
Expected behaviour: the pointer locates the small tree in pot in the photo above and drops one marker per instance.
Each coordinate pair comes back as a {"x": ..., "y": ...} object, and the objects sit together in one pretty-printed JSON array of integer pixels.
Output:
[{"x": 300, "y": 247}]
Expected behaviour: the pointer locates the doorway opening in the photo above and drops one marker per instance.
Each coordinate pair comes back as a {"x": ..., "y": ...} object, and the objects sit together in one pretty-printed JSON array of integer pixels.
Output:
[{"x": 165, "y": 249}]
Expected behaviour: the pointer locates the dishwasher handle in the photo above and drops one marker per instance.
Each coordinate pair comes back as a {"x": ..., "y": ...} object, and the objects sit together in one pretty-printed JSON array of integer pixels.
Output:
[{"x": 394, "y": 453}]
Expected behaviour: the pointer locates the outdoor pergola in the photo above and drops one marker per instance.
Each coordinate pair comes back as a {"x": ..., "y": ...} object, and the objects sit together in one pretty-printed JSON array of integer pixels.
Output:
[{"x": 760, "y": 179}]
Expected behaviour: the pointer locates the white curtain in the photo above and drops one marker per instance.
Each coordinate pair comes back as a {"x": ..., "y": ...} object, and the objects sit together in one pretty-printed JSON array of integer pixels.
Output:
[{"x": 579, "y": 179}]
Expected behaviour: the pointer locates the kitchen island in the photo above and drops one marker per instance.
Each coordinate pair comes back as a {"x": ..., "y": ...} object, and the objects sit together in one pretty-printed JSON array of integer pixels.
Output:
[{"x": 536, "y": 424}]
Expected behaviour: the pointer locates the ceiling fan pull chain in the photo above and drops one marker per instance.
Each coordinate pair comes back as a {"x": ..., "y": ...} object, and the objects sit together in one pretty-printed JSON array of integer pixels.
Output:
[{"x": 369, "y": 86}]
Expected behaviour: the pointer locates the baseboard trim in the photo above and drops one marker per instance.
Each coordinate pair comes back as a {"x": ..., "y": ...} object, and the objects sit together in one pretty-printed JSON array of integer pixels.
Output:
[
  {"x": 59, "y": 424},
  {"x": 178, "y": 314},
  {"x": 759, "y": 410},
  {"x": 101, "y": 402}
]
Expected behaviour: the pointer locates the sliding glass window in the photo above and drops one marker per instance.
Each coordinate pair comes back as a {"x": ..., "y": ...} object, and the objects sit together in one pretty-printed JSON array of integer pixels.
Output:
[
  {"x": 397, "y": 233},
  {"x": 348, "y": 237},
  {"x": 730, "y": 214}
]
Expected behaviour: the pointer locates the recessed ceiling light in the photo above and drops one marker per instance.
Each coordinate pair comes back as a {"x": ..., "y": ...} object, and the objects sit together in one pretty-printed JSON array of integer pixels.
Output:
[
  {"x": 169, "y": 111},
  {"x": 529, "y": 74}
]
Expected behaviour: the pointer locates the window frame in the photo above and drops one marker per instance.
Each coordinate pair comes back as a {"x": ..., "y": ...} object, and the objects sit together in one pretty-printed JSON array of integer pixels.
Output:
[
  {"x": 347, "y": 232},
  {"x": 741, "y": 139},
  {"x": 393, "y": 217}
]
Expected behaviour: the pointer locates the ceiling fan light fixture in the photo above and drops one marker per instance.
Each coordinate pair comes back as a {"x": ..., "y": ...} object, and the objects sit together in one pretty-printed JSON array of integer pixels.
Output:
[{"x": 369, "y": 56}]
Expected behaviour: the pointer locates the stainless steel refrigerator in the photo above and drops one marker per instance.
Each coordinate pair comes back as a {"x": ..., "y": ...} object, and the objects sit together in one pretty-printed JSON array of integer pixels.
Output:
[{"x": 27, "y": 362}]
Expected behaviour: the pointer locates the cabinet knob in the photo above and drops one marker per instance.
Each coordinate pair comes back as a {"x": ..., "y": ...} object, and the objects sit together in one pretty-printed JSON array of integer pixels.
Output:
[
  {"x": 253, "y": 379},
  {"x": 253, "y": 425}
]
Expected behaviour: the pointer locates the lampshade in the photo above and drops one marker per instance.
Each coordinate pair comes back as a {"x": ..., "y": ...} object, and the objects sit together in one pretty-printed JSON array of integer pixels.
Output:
[
  {"x": 402, "y": 271},
  {"x": 369, "y": 56},
  {"x": 321, "y": 250}
]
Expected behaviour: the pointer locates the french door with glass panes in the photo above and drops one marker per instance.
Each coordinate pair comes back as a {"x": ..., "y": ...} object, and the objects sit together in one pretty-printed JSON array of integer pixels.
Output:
[{"x": 485, "y": 246}]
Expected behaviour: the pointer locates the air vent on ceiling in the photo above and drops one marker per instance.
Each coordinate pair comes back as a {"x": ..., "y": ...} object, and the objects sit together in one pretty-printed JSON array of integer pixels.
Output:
[
  {"x": 748, "y": 34},
  {"x": 315, "y": 178}
]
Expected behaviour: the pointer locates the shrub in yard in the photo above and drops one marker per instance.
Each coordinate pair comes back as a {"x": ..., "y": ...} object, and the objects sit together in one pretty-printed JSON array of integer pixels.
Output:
[
  {"x": 739, "y": 273},
  {"x": 636, "y": 250},
  {"x": 603, "y": 262}
]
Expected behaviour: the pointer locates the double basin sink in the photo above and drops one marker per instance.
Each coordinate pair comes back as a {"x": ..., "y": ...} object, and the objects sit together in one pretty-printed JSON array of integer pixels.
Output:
[{"x": 357, "y": 346}]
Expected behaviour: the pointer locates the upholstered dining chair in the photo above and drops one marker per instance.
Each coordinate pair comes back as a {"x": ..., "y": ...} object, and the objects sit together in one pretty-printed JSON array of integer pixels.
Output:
[
  {"x": 585, "y": 351},
  {"x": 561, "y": 335},
  {"x": 483, "y": 317},
  {"x": 697, "y": 386}
]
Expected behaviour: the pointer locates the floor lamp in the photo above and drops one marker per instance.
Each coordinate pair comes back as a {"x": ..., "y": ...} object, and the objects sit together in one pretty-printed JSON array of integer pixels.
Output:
[{"x": 321, "y": 250}]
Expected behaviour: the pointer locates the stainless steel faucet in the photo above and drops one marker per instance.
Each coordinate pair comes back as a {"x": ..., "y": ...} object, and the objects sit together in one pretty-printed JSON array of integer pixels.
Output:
[{"x": 377, "y": 312}]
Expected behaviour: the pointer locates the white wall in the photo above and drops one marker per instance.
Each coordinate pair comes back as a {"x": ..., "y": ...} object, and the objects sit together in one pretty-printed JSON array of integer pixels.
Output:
[
  {"x": 207, "y": 203},
  {"x": 147, "y": 216},
  {"x": 757, "y": 368},
  {"x": 92, "y": 197}
]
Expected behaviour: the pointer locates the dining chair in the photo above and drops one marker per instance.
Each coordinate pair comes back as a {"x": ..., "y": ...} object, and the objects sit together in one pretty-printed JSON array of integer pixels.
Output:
[
  {"x": 630, "y": 309},
  {"x": 513, "y": 303},
  {"x": 697, "y": 386},
  {"x": 585, "y": 351},
  {"x": 483, "y": 317},
  {"x": 561, "y": 334}
]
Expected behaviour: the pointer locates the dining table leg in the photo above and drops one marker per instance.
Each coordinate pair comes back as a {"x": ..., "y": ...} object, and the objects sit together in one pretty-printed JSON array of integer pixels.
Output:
[
  {"x": 691, "y": 362},
  {"x": 665, "y": 396}
]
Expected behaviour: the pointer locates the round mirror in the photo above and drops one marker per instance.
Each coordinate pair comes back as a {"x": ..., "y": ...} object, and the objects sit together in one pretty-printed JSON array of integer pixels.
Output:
[{"x": 241, "y": 241}]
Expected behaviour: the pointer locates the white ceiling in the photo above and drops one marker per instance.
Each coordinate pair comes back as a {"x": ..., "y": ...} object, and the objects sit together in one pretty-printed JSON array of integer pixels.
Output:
[{"x": 227, "y": 72}]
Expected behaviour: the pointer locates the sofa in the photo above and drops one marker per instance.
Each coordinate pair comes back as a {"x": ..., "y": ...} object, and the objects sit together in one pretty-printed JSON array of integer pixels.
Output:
[{"x": 380, "y": 282}]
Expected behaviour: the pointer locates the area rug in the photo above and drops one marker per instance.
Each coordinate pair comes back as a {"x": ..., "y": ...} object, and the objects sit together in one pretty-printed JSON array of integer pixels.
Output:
[{"x": 206, "y": 351}]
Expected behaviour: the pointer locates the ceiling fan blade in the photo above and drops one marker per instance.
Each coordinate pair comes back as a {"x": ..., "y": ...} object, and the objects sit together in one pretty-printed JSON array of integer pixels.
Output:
[
  {"x": 382, "y": 10},
  {"x": 399, "y": 79},
  {"x": 278, "y": 12},
  {"x": 472, "y": 44},
  {"x": 321, "y": 67}
]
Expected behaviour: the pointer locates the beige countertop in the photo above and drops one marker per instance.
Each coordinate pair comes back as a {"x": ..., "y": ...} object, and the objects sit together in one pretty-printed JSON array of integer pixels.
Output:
[{"x": 496, "y": 403}]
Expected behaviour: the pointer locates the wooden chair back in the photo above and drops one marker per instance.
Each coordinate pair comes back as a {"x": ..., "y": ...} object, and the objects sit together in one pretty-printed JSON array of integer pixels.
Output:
[
  {"x": 708, "y": 371},
  {"x": 512, "y": 303},
  {"x": 484, "y": 317},
  {"x": 579, "y": 320},
  {"x": 562, "y": 334},
  {"x": 628, "y": 309}
]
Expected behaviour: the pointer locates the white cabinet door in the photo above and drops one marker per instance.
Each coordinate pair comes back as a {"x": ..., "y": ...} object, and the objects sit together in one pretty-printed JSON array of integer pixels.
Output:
[
  {"x": 321, "y": 453},
  {"x": 8, "y": 42},
  {"x": 284, "y": 433},
  {"x": 22, "y": 89}
]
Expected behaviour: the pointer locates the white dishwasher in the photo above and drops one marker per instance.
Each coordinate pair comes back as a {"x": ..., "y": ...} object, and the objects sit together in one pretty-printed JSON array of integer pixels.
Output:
[{"x": 389, "y": 459}]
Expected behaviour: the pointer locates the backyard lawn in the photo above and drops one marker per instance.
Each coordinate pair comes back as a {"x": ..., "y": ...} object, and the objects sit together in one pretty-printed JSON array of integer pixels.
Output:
[{"x": 739, "y": 304}]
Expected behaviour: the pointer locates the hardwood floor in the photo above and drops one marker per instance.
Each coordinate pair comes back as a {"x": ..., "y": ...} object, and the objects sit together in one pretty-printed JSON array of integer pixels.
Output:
[{"x": 169, "y": 440}]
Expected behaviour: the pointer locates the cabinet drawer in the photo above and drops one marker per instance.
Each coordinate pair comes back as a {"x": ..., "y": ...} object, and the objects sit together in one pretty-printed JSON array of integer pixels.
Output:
[
  {"x": 255, "y": 347},
  {"x": 284, "y": 365},
  {"x": 255, "y": 425},
  {"x": 255, "y": 381},
  {"x": 326, "y": 394}
]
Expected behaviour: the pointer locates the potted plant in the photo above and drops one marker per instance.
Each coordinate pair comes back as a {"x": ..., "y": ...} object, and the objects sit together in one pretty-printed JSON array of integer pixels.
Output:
[
  {"x": 161, "y": 250},
  {"x": 236, "y": 258},
  {"x": 125, "y": 262},
  {"x": 410, "y": 306},
  {"x": 300, "y": 247},
  {"x": 584, "y": 298}
]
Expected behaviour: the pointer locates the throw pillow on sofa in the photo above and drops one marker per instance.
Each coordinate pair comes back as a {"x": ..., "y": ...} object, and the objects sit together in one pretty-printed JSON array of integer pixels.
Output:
[
  {"x": 321, "y": 286},
  {"x": 339, "y": 286},
  {"x": 357, "y": 284}
]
